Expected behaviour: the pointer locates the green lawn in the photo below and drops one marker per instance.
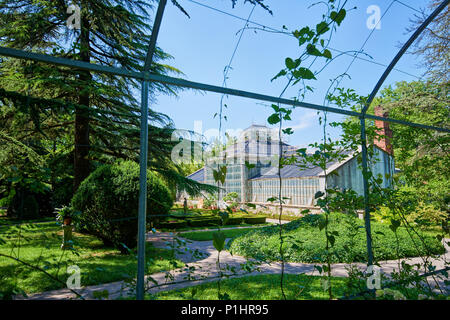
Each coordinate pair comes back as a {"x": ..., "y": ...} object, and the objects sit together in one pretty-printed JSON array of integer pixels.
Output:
[
  {"x": 267, "y": 287},
  {"x": 5, "y": 221},
  {"x": 207, "y": 235},
  {"x": 39, "y": 245},
  {"x": 260, "y": 287},
  {"x": 305, "y": 242}
]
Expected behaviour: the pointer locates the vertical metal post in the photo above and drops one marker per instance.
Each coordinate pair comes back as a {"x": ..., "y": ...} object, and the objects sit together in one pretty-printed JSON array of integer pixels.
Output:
[
  {"x": 366, "y": 192},
  {"x": 142, "y": 223},
  {"x": 142, "y": 191}
]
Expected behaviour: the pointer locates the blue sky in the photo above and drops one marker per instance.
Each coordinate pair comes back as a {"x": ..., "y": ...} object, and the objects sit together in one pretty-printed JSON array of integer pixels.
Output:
[{"x": 203, "y": 45}]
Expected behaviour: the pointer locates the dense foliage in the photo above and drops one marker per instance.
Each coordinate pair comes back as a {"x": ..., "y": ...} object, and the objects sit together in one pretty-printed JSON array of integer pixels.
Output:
[
  {"x": 305, "y": 241},
  {"x": 421, "y": 155},
  {"x": 108, "y": 202},
  {"x": 72, "y": 119}
]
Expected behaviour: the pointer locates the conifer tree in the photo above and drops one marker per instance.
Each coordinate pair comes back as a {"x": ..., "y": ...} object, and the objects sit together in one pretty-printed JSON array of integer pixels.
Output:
[{"x": 100, "y": 112}]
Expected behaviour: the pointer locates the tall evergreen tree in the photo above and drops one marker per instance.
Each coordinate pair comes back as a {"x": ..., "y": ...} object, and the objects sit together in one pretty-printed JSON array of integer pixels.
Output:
[{"x": 100, "y": 111}]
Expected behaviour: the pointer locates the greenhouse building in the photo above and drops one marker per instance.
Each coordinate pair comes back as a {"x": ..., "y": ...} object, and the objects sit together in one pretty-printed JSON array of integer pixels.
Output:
[{"x": 252, "y": 170}]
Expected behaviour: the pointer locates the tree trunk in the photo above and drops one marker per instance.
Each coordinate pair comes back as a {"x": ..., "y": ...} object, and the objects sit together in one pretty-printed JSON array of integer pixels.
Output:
[{"x": 82, "y": 143}]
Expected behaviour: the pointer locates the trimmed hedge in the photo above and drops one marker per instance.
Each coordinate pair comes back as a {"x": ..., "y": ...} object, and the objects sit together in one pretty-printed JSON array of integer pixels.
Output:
[
  {"x": 108, "y": 202},
  {"x": 204, "y": 222},
  {"x": 173, "y": 224},
  {"x": 234, "y": 220},
  {"x": 255, "y": 220},
  {"x": 208, "y": 220}
]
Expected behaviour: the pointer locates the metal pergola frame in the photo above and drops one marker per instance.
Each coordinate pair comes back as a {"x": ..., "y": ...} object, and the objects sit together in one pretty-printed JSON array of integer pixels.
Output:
[{"x": 146, "y": 77}]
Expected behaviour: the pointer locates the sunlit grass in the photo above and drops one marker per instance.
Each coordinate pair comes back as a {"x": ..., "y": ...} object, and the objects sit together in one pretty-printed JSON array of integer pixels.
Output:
[
  {"x": 296, "y": 287},
  {"x": 40, "y": 245},
  {"x": 260, "y": 287}
]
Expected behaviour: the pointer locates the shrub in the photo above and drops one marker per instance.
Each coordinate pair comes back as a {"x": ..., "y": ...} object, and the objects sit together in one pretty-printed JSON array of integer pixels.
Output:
[
  {"x": 232, "y": 196},
  {"x": 427, "y": 214},
  {"x": 173, "y": 224},
  {"x": 108, "y": 202},
  {"x": 422, "y": 215},
  {"x": 204, "y": 222},
  {"x": 383, "y": 214},
  {"x": 255, "y": 220},
  {"x": 234, "y": 220}
]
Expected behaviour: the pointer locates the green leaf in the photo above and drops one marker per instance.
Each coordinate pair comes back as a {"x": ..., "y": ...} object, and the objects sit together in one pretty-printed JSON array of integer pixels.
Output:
[
  {"x": 394, "y": 225},
  {"x": 319, "y": 268},
  {"x": 338, "y": 17},
  {"x": 319, "y": 194},
  {"x": 219, "y": 240},
  {"x": 288, "y": 131},
  {"x": 327, "y": 54},
  {"x": 224, "y": 215},
  {"x": 287, "y": 116},
  {"x": 249, "y": 165},
  {"x": 280, "y": 74},
  {"x": 302, "y": 151},
  {"x": 312, "y": 50},
  {"x": 303, "y": 73},
  {"x": 331, "y": 239},
  {"x": 275, "y": 107},
  {"x": 290, "y": 64},
  {"x": 303, "y": 35},
  {"x": 321, "y": 28},
  {"x": 223, "y": 169},
  {"x": 322, "y": 224},
  {"x": 273, "y": 119},
  {"x": 220, "y": 175},
  {"x": 224, "y": 296}
]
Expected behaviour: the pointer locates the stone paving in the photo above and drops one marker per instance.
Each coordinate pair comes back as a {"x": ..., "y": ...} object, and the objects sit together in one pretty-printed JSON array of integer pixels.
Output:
[{"x": 206, "y": 267}]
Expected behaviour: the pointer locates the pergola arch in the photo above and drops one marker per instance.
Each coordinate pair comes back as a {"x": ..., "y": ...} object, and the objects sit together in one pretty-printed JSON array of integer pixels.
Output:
[{"x": 145, "y": 77}]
